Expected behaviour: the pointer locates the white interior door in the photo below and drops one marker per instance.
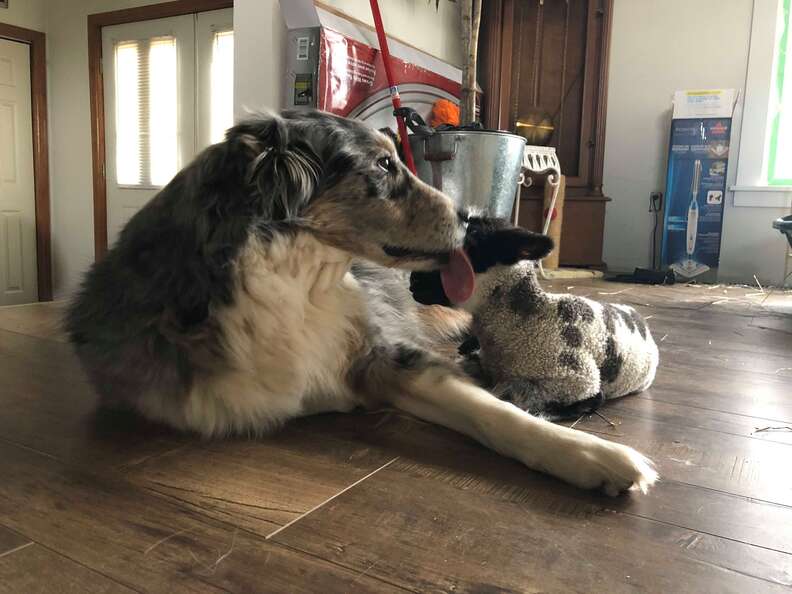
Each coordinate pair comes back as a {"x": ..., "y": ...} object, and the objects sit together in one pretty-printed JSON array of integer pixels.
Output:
[
  {"x": 18, "y": 274},
  {"x": 168, "y": 93},
  {"x": 149, "y": 96}
]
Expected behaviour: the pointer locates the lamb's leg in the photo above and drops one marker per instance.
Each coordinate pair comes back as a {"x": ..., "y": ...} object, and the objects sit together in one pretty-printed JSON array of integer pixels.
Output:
[
  {"x": 473, "y": 368},
  {"x": 469, "y": 345},
  {"x": 551, "y": 399},
  {"x": 574, "y": 386},
  {"x": 529, "y": 395},
  {"x": 416, "y": 382}
]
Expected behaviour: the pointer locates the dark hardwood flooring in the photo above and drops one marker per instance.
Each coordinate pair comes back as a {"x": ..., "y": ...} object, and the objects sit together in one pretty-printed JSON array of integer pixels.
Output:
[{"x": 101, "y": 502}]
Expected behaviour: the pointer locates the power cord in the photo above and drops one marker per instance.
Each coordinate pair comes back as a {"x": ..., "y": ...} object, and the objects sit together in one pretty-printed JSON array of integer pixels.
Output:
[{"x": 655, "y": 203}]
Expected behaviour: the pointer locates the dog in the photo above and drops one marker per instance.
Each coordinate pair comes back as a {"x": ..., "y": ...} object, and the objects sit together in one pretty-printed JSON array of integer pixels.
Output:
[{"x": 269, "y": 280}]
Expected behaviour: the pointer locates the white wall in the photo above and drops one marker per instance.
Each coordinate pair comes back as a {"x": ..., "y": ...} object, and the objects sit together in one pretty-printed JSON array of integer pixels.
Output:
[
  {"x": 657, "y": 48},
  {"x": 417, "y": 22},
  {"x": 259, "y": 69},
  {"x": 750, "y": 246},
  {"x": 29, "y": 14}
]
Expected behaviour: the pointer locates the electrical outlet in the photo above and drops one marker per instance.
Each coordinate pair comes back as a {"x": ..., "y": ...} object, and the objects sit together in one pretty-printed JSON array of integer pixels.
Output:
[{"x": 655, "y": 201}]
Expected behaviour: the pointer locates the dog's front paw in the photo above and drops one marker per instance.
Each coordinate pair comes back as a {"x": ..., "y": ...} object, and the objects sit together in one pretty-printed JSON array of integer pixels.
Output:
[{"x": 594, "y": 463}]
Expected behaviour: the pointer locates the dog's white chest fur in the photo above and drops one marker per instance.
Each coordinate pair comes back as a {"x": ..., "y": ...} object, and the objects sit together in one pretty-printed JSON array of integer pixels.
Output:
[{"x": 289, "y": 336}]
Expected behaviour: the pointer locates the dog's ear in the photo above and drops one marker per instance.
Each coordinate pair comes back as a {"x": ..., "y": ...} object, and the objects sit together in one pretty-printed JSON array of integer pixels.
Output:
[
  {"x": 285, "y": 171},
  {"x": 389, "y": 132}
]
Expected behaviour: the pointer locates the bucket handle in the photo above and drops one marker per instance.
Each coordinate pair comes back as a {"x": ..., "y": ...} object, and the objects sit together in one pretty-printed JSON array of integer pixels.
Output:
[
  {"x": 435, "y": 151},
  {"x": 414, "y": 121}
]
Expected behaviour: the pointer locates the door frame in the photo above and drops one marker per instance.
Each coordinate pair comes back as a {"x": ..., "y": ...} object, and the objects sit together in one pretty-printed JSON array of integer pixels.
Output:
[
  {"x": 96, "y": 22},
  {"x": 41, "y": 182}
]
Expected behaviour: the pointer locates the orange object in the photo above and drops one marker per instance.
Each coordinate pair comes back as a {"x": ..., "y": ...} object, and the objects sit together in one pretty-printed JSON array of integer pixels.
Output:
[{"x": 444, "y": 112}]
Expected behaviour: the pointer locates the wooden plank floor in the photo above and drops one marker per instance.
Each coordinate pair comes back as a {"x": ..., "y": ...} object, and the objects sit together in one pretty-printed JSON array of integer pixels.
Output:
[{"x": 98, "y": 502}]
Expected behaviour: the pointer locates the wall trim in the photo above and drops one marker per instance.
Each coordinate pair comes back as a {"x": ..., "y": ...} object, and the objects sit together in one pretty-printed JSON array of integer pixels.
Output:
[
  {"x": 38, "y": 88},
  {"x": 96, "y": 85},
  {"x": 776, "y": 189},
  {"x": 762, "y": 196}
]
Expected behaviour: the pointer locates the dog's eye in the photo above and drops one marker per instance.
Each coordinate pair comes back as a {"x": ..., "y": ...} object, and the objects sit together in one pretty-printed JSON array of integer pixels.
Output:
[{"x": 384, "y": 164}]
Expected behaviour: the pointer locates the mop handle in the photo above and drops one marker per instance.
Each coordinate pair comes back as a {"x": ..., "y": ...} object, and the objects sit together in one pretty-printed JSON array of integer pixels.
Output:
[{"x": 394, "y": 90}]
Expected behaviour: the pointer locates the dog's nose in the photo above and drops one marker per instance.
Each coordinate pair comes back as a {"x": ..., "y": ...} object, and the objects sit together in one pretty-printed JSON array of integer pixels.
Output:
[{"x": 463, "y": 215}]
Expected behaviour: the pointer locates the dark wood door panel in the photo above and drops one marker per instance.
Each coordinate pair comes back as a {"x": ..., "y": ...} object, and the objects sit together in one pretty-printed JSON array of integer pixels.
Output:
[
  {"x": 550, "y": 70},
  {"x": 553, "y": 56}
]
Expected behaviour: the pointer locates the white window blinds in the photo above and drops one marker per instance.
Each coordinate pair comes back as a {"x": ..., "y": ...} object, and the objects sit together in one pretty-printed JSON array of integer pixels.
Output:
[{"x": 146, "y": 111}]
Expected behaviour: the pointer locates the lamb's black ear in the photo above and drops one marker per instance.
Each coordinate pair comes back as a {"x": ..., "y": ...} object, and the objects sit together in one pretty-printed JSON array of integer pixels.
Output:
[
  {"x": 515, "y": 244},
  {"x": 491, "y": 242},
  {"x": 505, "y": 246},
  {"x": 285, "y": 170}
]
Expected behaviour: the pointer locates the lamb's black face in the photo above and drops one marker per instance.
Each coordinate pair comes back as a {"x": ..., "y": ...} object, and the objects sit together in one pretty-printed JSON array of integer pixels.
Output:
[{"x": 489, "y": 242}]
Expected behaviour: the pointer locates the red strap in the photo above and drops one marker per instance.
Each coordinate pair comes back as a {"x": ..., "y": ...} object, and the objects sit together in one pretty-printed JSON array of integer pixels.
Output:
[{"x": 394, "y": 90}]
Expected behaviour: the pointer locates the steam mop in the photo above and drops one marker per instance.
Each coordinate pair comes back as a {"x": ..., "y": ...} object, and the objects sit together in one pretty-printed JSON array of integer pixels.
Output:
[{"x": 689, "y": 267}]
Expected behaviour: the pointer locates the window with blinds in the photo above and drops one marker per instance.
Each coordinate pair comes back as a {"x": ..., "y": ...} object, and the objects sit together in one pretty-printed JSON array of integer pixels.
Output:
[
  {"x": 146, "y": 111},
  {"x": 147, "y": 103}
]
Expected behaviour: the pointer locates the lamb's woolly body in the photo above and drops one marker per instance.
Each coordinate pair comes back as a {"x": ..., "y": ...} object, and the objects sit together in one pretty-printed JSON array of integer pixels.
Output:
[{"x": 540, "y": 348}]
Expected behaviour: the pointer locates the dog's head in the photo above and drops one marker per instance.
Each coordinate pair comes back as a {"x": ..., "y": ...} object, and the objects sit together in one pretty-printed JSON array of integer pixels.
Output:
[
  {"x": 344, "y": 182},
  {"x": 489, "y": 242}
]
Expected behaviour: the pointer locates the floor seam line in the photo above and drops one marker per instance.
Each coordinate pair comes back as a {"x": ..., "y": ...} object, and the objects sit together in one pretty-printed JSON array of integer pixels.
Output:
[
  {"x": 649, "y": 419},
  {"x": 748, "y": 498},
  {"x": 16, "y": 549},
  {"x": 15, "y": 444},
  {"x": 712, "y": 534},
  {"x": 717, "y": 410},
  {"x": 328, "y": 500},
  {"x": 311, "y": 554}
]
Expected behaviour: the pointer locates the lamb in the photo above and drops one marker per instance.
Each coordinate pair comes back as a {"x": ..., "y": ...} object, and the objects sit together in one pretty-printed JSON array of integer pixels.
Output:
[{"x": 554, "y": 355}]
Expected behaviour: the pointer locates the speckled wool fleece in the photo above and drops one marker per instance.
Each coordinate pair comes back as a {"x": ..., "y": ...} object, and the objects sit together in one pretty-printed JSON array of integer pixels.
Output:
[{"x": 544, "y": 351}]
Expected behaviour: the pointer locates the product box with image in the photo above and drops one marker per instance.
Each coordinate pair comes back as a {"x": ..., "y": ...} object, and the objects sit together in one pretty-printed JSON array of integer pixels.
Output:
[
  {"x": 333, "y": 63},
  {"x": 696, "y": 182}
]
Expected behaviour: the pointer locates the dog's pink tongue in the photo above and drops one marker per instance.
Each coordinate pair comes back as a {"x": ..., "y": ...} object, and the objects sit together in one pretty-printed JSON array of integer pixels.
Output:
[{"x": 458, "y": 278}]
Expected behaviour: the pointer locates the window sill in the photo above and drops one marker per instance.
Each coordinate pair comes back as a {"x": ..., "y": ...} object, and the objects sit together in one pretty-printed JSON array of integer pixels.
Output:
[
  {"x": 782, "y": 189},
  {"x": 763, "y": 196}
]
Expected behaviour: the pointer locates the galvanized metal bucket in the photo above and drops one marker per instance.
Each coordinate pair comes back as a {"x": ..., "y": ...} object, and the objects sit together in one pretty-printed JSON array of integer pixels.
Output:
[{"x": 478, "y": 169}]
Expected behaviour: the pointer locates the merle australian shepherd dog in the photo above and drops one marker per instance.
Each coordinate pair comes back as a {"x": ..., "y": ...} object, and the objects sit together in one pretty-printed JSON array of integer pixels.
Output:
[{"x": 268, "y": 281}]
